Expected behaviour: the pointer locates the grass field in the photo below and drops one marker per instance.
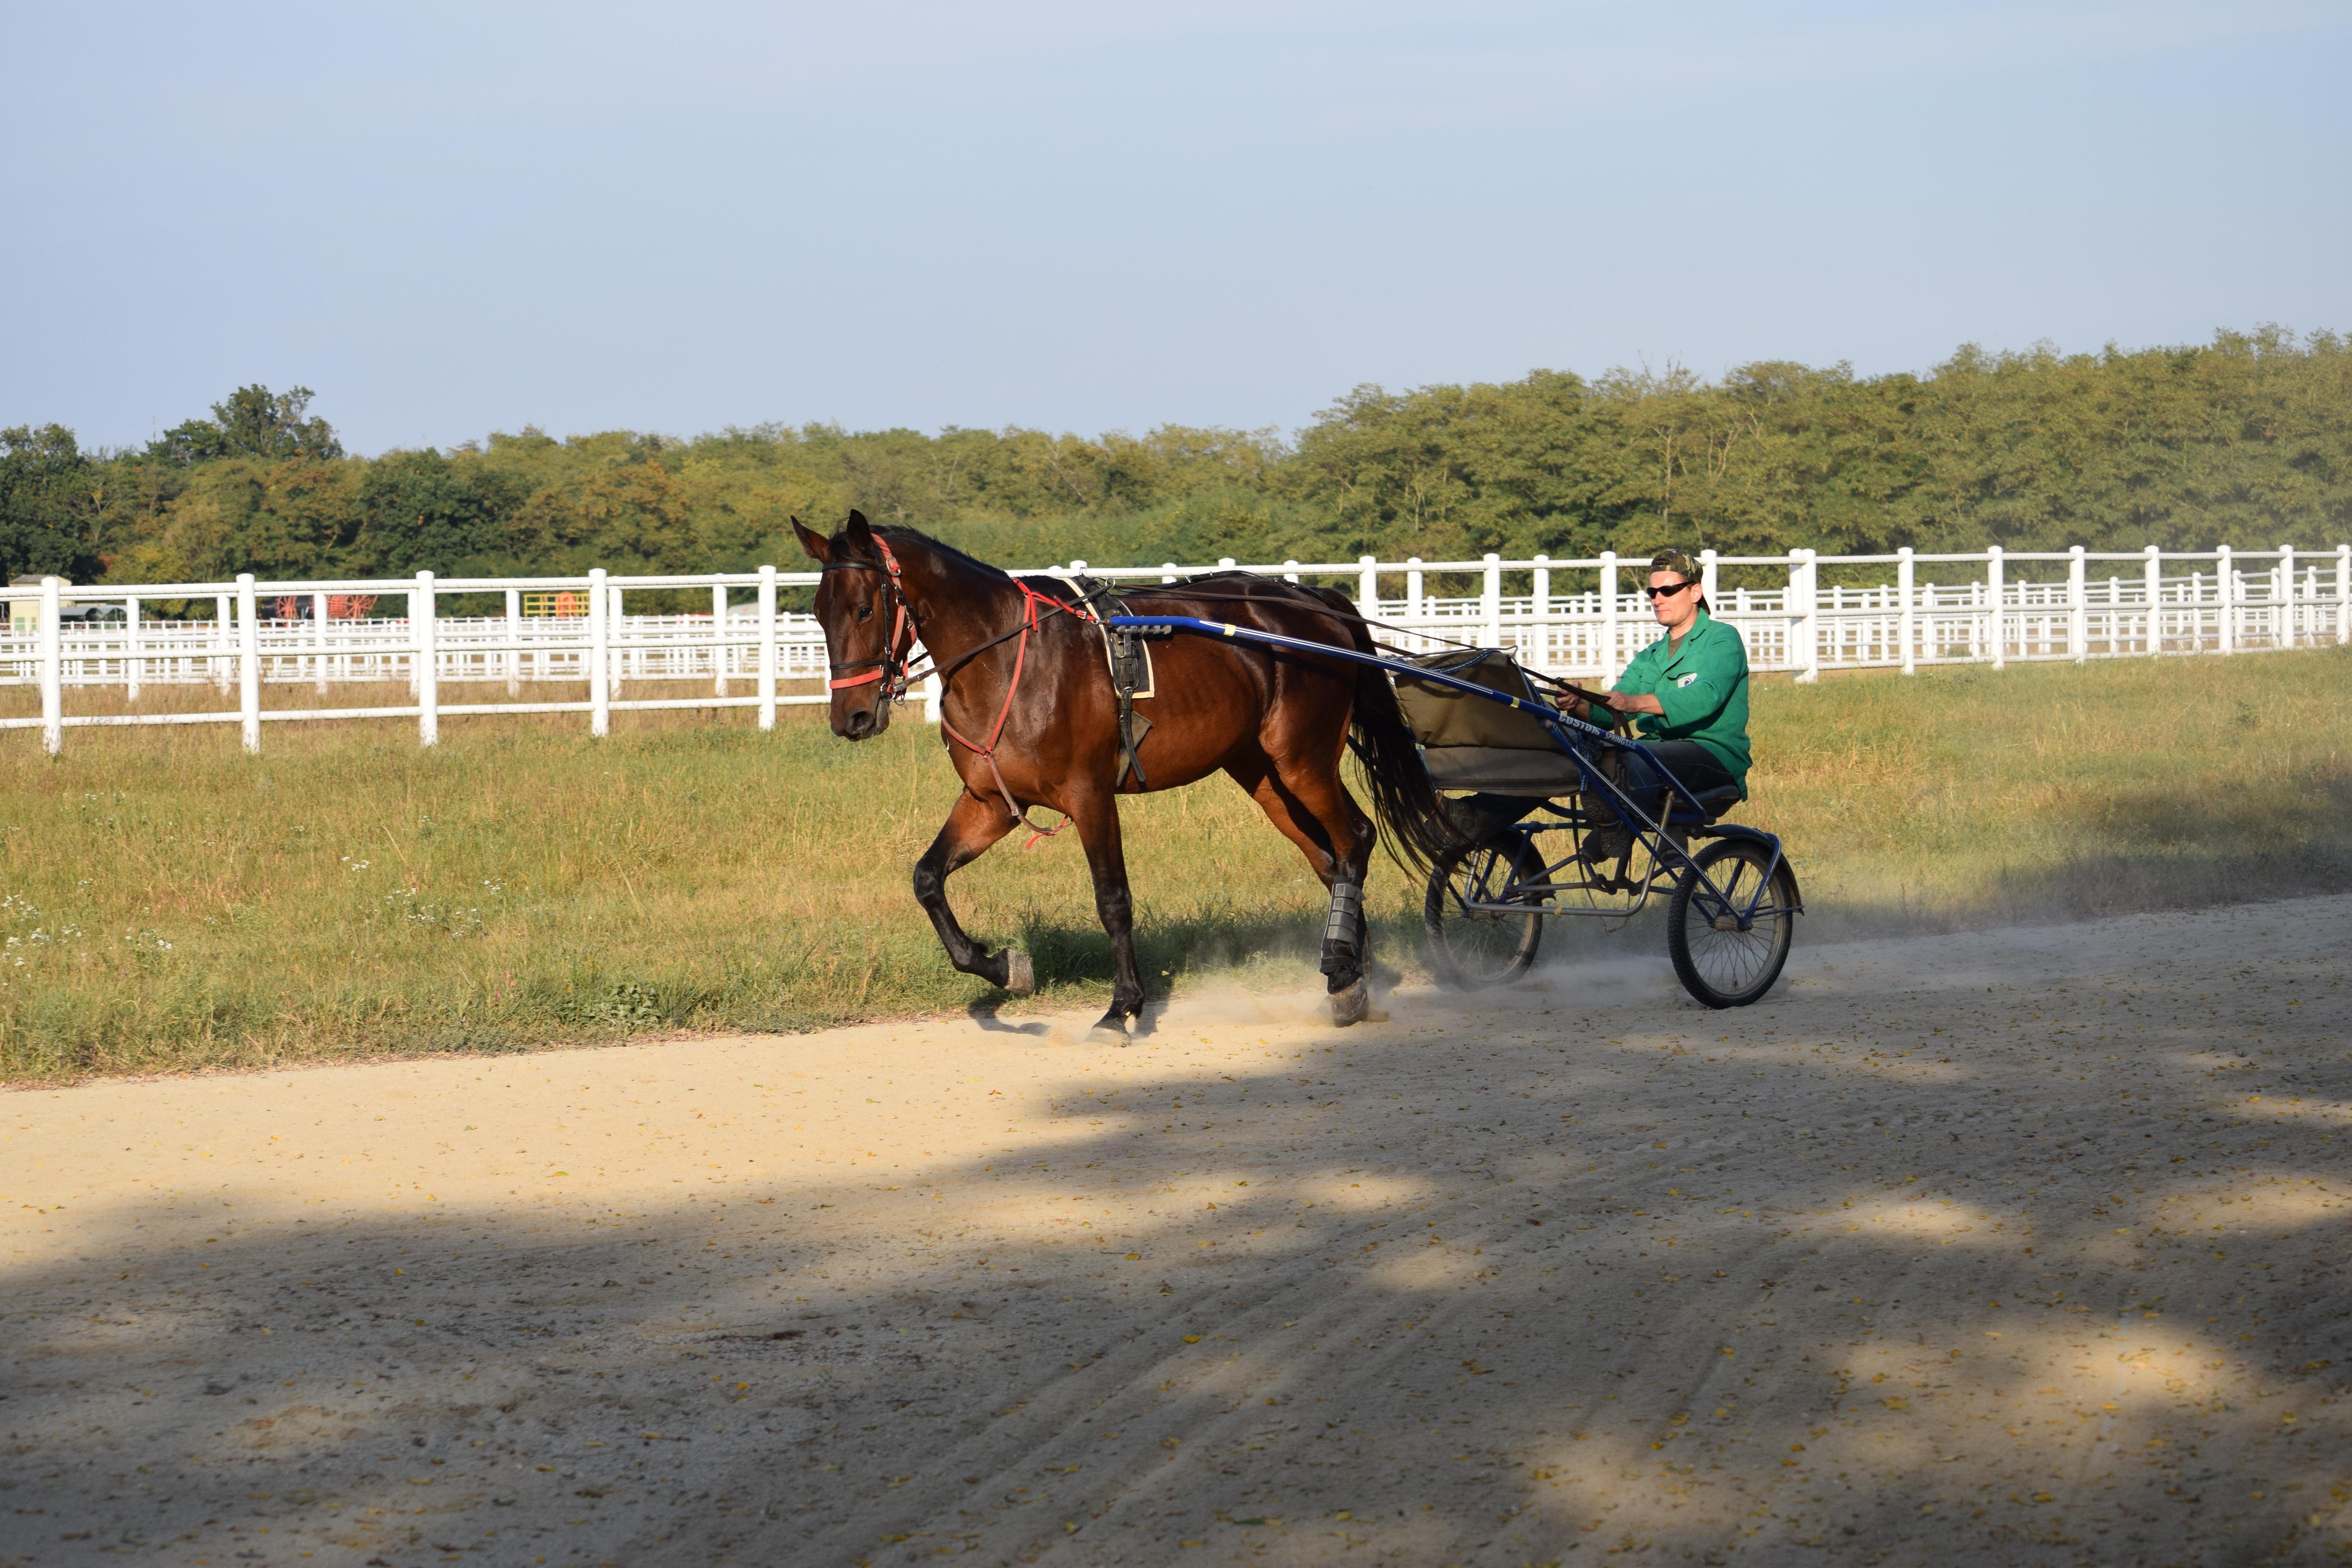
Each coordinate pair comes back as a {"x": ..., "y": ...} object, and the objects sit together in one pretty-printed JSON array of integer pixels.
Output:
[{"x": 171, "y": 903}]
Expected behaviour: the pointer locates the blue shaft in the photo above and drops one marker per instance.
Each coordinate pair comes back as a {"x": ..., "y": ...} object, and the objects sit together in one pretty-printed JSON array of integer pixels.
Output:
[
  {"x": 1561, "y": 725},
  {"x": 1396, "y": 666}
]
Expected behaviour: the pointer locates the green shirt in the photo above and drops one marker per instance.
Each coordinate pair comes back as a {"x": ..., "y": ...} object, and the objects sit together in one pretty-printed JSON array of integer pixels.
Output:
[{"x": 1703, "y": 687}]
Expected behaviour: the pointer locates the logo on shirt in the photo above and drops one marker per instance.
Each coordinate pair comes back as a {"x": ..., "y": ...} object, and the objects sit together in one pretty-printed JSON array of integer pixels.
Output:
[{"x": 1685, "y": 680}]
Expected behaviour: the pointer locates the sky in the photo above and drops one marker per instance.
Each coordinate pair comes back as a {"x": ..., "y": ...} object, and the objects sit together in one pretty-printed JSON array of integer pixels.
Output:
[{"x": 452, "y": 220}]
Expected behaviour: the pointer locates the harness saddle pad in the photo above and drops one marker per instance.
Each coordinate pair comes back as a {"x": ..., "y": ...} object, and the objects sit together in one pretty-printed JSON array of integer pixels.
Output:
[
  {"x": 1127, "y": 654},
  {"x": 1469, "y": 743}
]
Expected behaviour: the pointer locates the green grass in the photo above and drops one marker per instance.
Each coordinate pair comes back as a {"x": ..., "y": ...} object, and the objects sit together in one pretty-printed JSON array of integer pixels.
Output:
[{"x": 171, "y": 903}]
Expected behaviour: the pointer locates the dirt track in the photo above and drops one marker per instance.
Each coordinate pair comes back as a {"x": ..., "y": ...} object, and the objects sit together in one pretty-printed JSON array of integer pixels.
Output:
[{"x": 2022, "y": 1248}]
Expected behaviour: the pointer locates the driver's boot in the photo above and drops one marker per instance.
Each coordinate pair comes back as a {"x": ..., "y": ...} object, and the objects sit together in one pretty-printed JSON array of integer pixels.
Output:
[{"x": 1606, "y": 839}]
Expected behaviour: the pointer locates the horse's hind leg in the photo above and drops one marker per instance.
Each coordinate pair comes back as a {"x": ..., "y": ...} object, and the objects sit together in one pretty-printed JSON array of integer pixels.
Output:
[
  {"x": 970, "y": 830},
  {"x": 1314, "y": 811}
]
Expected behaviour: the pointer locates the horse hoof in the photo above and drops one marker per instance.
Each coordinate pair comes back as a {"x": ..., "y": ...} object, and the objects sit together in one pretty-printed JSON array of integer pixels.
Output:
[
  {"x": 1108, "y": 1032},
  {"x": 1351, "y": 1005},
  {"x": 1020, "y": 974}
]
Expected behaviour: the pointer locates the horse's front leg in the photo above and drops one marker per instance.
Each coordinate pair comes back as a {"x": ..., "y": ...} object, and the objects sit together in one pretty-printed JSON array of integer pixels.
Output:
[
  {"x": 974, "y": 825},
  {"x": 1097, "y": 819}
]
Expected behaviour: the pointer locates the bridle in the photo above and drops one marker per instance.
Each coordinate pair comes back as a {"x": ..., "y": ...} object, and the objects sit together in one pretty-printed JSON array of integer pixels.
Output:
[{"x": 891, "y": 667}]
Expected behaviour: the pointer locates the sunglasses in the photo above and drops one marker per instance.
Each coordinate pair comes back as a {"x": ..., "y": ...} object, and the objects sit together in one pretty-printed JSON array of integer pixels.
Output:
[{"x": 1670, "y": 588}]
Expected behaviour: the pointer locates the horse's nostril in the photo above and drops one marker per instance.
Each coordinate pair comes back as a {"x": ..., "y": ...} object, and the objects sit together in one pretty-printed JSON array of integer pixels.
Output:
[{"x": 860, "y": 722}]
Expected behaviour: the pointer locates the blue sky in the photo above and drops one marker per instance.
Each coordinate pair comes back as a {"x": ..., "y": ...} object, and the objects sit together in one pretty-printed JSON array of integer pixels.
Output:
[{"x": 450, "y": 219}]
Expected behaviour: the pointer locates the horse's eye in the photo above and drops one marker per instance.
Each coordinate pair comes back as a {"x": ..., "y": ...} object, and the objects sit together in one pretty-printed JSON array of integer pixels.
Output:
[{"x": 865, "y": 612}]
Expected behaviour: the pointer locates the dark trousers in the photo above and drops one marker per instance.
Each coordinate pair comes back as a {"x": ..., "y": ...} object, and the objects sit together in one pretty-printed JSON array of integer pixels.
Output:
[
  {"x": 1632, "y": 772},
  {"x": 1688, "y": 761}
]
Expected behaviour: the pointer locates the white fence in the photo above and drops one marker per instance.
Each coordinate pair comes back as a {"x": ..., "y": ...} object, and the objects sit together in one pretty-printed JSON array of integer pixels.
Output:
[{"x": 1577, "y": 618}]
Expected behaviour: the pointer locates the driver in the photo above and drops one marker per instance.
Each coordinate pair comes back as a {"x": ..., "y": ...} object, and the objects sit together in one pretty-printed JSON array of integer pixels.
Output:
[{"x": 1687, "y": 694}]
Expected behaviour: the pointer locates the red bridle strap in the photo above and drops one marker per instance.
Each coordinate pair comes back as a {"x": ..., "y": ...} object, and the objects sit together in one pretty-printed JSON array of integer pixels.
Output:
[{"x": 891, "y": 654}]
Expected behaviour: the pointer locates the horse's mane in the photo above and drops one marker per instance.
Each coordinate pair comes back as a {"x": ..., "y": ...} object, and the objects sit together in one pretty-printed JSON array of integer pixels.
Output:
[{"x": 899, "y": 531}]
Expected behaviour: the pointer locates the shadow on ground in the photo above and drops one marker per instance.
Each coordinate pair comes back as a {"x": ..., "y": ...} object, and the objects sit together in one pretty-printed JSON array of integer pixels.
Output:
[{"x": 2020, "y": 1252}]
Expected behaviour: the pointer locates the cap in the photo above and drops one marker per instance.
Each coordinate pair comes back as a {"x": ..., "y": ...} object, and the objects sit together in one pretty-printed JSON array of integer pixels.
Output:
[{"x": 1676, "y": 561}]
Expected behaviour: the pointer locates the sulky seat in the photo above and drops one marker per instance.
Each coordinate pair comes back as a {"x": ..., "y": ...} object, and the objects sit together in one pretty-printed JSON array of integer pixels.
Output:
[
  {"x": 1717, "y": 800},
  {"x": 1470, "y": 743}
]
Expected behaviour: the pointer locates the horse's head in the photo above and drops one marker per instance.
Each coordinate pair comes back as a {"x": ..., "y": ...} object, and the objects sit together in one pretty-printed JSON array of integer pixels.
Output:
[{"x": 861, "y": 609}]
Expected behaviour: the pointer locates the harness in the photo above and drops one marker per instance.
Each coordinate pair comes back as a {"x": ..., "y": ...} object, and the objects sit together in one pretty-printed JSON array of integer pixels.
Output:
[
  {"x": 1130, "y": 668},
  {"x": 891, "y": 666}
]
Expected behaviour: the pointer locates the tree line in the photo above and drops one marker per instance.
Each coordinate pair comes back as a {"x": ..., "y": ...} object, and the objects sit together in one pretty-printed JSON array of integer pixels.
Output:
[{"x": 2246, "y": 440}]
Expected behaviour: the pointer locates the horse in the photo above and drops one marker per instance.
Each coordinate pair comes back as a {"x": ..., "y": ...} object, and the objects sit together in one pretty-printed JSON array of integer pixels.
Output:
[{"x": 1030, "y": 718}]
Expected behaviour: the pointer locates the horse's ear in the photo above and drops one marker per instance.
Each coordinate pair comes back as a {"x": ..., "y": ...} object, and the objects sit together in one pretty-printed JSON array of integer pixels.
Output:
[
  {"x": 819, "y": 548},
  {"x": 859, "y": 534}
]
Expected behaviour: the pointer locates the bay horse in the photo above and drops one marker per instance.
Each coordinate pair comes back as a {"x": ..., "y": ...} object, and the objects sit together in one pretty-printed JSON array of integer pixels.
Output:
[{"x": 1030, "y": 718}]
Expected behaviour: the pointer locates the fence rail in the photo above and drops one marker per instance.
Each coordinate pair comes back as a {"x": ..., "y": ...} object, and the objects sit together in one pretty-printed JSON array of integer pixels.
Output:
[{"x": 1578, "y": 618}]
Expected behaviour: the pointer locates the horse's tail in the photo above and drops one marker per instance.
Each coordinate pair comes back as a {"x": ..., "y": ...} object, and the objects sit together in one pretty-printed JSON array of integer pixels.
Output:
[{"x": 1407, "y": 805}]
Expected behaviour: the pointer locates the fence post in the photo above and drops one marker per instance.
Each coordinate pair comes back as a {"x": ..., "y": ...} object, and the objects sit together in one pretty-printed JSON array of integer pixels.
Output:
[
  {"x": 2285, "y": 597},
  {"x": 428, "y": 662},
  {"x": 319, "y": 638},
  {"x": 1793, "y": 600},
  {"x": 2153, "y": 574},
  {"x": 1368, "y": 586},
  {"x": 1610, "y": 667},
  {"x": 2078, "y": 612},
  {"x": 600, "y": 689},
  {"x": 1996, "y": 615},
  {"x": 1907, "y": 621},
  {"x": 718, "y": 638},
  {"x": 2343, "y": 594},
  {"x": 1490, "y": 600},
  {"x": 132, "y": 664},
  {"x": 1539, "y": 621},
  {"x": 2225, "y": 583},
  {"x": 1289, "y": 575},
  {"x": 248, "y": 662},
  {"x": 1810, "y": 669},
  {"x": 50, "y": 645},
  {"x": 224, "y": 643},
  {"x": 1413, "y": 589},
  {"x": 514, "y": 637},
  {"x": 767, "y": 647}
]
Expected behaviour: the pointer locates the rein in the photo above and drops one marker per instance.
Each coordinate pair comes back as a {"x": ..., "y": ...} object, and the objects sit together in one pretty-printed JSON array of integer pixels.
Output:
[{"x": 1356, "y": 618}]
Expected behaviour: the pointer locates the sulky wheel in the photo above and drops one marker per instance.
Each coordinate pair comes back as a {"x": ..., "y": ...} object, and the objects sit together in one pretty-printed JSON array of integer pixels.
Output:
[
  {"x": 1472, "y": 949},
  {"x": 1718, "y": 964}
]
